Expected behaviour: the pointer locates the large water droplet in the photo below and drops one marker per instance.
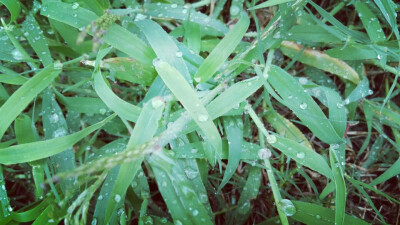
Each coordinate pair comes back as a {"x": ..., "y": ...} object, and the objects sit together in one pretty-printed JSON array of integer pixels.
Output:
[
  {"x": 117, "y": 198},
  {"x": 234, "y": 10},
  {"x": 303, "y": 105},
  {"x": 195, "y": 212},
  {"x": 264, "y": 153},
  {"x": 287, "y": 207},
  {"x": 303, "y": 80},
  {"x": 271, "y": 139},
  {"x": 17, "y": 55}
]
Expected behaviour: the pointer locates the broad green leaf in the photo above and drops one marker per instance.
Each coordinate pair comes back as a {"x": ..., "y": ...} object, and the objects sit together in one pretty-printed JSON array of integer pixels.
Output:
[
  {"x": 269, "y": 3},
  {"x": 54, "y": 126},
  {"x": 370, "y": 22},
  {"x": 286, "y": 129},
  {"x": 340, "y": 186},
  {"x": 188, "y": 98},
  {"x": 177, "y": 191},
  {"x": 302, "y": 155},
  {"x": 309, "y": 213},
  {"x": 164, "y": 46},
  {"x": 25, "y": 94},
  {"x": 321, "y": 61},
  {"x": 172, "y": 11},
  {"x": 249, "y": 192},
  {"x": 144, "y": 130},
  {"x": 42, "y": 149},
  {"x": 122, "y": 108},
  {"x": 233, "y": 127},
  {"x": 392, "y": 171},
  {"x": 302, "y": 105},
  {"x": 220, "y": 53},
  {"x": 37, "y": 40}
]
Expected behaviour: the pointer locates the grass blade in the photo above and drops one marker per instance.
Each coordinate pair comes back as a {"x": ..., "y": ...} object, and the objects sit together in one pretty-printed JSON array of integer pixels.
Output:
[
  {"x": 25, "y": 94},
  {"x": 186, "y": 95},
  {"x": 222, "y": 51}
]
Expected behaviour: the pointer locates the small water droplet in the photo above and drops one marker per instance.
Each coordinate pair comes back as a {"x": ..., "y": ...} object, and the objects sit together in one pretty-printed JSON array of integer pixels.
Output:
[
  {"x": 202, "y": 118},
  {"x": 339, "y": 105},
  {"x": 303, "y": 105},
  {"x": 195, "y": 212},
  {"x": 300, "y": 155},
  {"x": 271, "y": 139},
  {"x": 174, "y": 6},
  {"x": 75, "y": 5},
  {"x": 179, "y": 54}
]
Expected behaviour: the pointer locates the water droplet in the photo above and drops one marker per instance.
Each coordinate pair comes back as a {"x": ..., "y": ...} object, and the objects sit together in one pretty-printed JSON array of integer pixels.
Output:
[
  {"x": 174, "y": 6},
  {"x": 94, "y": 221},
  {"x": 75, "y": 15},
  {"x": 157, "y": 102},
  {"x": 303, "y": 80},
  {"x": 379, "y": 56},
  {"x": 346, "y": 101},
  {"x": 195, "y": 212},
  {"x": 17, "y": 55},
  {"x": 197, "y": 79},
  {"x": 179, "y": 54},
  {"x": 287, "y": 207},
  {"x": 100, "y": 197},
  {"x": 290, "y": 97},
  {"x": 318, "y": 216},
  {"x": 334, "y": 146},
  {"x": 303, "y": 105},
  {"x": 370, "y": 92},
  {"x": 300, "y": 155},
  {"x": 117, "y": 198},
  {"x": 58, "y": 65},
  {"x": 75, "y": 5},
  {"x": 234, "y": 10},
  {"x": 202, "y": 118},
  {"x": 156, "y": 62},
  {"x": 271, "y": 139},
  {"x": 264, "y": 153},
  {"x": 54, "y": 118},
  {"x": 339, "y": 105},
  {"x": 50, "y": 220}
]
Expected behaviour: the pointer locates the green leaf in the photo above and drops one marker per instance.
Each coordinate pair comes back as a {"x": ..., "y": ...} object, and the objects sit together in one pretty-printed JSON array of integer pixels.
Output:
[
  {"x": 223, "y": 50},
  {"x": 13, "y": 7},
  {"x": 302, "y": 105},
  {"x": 302, "y": 155},
  {"x": 36, "y": 39},
  {"x": 309, "y": 213},
  {"x": 370, "y": 22},
  {"x": 188, "y": 98},
  {"x": 269, "y": 4},
  {"x": 42, "y": 149},
  {"x": 25, "y": 94}
]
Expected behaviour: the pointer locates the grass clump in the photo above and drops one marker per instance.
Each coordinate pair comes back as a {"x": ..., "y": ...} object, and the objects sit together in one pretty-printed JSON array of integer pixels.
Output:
[{"x": 208, "y": 112}]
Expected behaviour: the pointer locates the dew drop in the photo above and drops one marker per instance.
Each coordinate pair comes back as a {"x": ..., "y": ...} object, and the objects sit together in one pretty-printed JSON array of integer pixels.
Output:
[
  {"x": 303, "y": 105},
  {"x": 264, "y": 153},
  {"x": 195, "y": 212},
  {"x": 300, "y": 155},
  {"x": 234, "y": 10},
  {"x": 178, "y": 54},
  {"x": 339, "y": 105},
  {"x": 17, "y": 55},
  {"x": 271, "y": 139},
  {"x": 202, "y": 118},
  {"x": 75, "y": 5},
  {"x": 287, "y": 207},
  {"x": 174, "y": 6},
  {"x": 303, "y": 80},
  {"x": 117, "y": 198}
]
